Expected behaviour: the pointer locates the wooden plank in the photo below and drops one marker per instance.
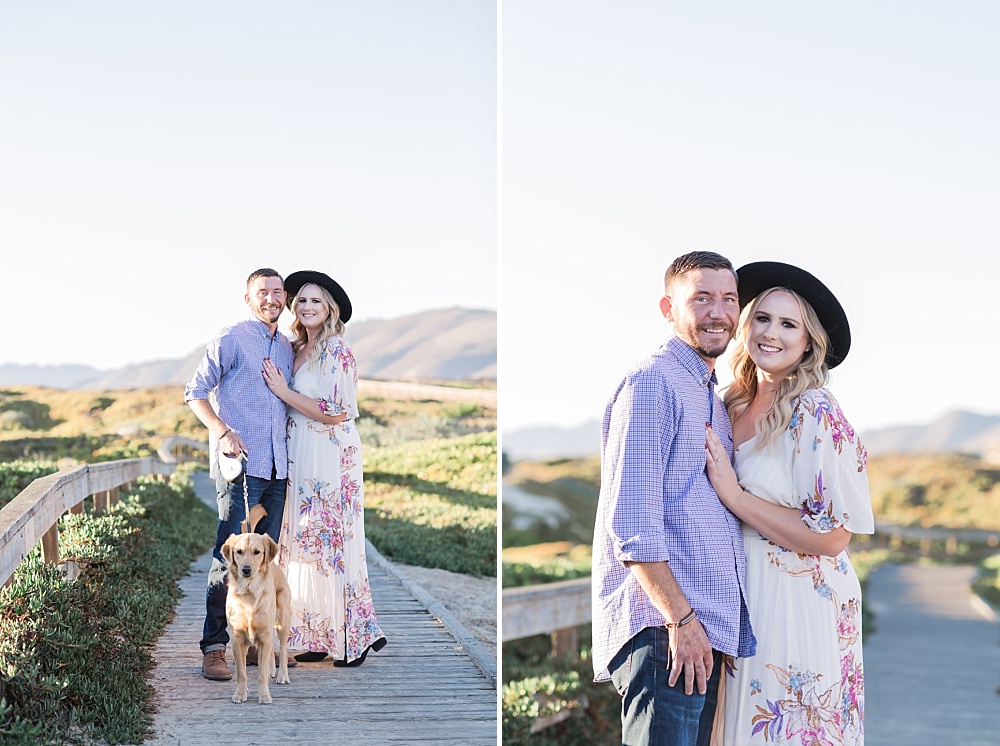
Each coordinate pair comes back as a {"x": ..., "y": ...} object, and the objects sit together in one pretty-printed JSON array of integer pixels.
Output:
[
  {"x": 50, "y": 545},
  {"x": 422, "y": 688},
  {"x": 34, "y": 511},
  {"x": 543, "y": 609}
]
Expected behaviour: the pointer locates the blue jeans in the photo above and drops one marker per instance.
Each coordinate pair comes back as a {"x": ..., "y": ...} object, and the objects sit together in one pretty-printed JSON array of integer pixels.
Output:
[
  {"x": 271, "y": 494},
  {"x": 654, "y": 713}
]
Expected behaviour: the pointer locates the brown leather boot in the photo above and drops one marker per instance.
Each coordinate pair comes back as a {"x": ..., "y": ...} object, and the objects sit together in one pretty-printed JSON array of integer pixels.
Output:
[
  {"x": 214, "y": 666},
  {"x": 252, "y": 658}
]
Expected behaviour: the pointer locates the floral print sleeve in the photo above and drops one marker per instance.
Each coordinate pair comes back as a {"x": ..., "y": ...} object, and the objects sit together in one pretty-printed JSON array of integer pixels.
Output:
[
  {"x": 339, "y": 374},
  {"x": 829, "y": 467}
]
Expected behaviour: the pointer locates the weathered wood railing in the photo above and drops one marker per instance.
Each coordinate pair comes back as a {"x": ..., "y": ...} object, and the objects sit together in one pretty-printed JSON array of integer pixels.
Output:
[
  {"x": 33, "y": 515},
  {"x": 555, "y": 609},
  {"x": 950, "y": 538},
  {"x": 175, "y": 449}
]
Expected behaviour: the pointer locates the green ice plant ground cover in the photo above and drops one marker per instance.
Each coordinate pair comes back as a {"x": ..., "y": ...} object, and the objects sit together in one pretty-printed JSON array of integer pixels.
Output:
[
  {"x": 75, "y": 654},
  {"x": 434, "y": 503}
]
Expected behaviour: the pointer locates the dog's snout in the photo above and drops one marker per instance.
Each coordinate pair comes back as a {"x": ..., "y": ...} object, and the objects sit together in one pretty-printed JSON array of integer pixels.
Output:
[{"x": 247, "y": 570}]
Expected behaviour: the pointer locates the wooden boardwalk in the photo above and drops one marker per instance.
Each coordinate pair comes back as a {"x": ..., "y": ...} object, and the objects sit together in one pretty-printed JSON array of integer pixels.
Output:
[
  {"x": 424, "y": 687},
  {"x": 932, "y": 667}
]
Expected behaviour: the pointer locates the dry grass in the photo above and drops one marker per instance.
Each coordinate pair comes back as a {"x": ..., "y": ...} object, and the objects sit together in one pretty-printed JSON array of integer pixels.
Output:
[
  {"x": 950, "y": 491},
  {"x": 132, "y": 412}
]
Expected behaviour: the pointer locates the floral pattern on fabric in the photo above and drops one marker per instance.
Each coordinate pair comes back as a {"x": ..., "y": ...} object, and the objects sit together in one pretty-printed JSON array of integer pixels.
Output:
[
  {"x": 806, "y": 683},
  {"x": 322, "y": 542}
]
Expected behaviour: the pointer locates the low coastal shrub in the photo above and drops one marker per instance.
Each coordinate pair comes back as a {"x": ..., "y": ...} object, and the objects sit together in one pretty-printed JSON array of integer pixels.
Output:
[
  {"x": 540, "y": 690},
  {"x": 15, "y": 476},
  {"x": 434, "y": 503},
  {"x": 74, "y": 654}
]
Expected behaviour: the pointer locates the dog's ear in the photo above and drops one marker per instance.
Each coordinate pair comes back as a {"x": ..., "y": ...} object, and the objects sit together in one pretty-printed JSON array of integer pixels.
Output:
[
  {"x": 270, "y": 549},
  {"x": 227, "y": 548}
]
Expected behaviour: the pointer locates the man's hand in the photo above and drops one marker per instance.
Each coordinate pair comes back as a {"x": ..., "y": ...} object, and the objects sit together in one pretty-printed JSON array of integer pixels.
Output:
[
  {"x": 690, "y": 654},
  {"x": 231, "y": 444},
  {"x": 690, "y": 650}
]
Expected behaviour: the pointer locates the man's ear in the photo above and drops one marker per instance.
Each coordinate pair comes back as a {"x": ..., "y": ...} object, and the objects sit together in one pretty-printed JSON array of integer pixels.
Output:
[
  {"x": 666, "y": 306},
  {"x": 246, "y": 298}
]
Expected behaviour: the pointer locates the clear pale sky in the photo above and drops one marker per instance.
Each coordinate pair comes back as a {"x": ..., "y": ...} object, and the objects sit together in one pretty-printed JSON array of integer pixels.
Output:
[
  {"x": 857, "y": 140},
  {"x": 155, "y": 153}
]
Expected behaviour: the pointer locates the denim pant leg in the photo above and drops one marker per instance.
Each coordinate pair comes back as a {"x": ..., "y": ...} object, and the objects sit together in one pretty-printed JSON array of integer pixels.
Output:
[
  {"x": 654, "y": 713},
  {"x": 271, "y": 494},
  {"x": 272, "y": 497}
]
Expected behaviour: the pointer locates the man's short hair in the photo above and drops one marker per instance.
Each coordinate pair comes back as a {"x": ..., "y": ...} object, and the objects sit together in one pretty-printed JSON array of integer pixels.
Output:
[
  {"x": 263, "y": 272},
  {"x": 695, "y": 260}
]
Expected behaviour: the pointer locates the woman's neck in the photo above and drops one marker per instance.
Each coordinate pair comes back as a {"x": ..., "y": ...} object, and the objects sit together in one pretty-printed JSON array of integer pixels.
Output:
[{"x": 766, "y": 391}]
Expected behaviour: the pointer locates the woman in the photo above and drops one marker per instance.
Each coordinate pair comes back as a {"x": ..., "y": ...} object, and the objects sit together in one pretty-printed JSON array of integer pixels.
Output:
[
  {"x": 802, "y": 492},
  {"x": 322, "y": 540}
]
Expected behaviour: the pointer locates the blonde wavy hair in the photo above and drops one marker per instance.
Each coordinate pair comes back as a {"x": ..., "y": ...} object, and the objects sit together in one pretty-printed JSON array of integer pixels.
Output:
[
  {"x": 811, "y": 373},
  {"x": 332, "y": 325}
]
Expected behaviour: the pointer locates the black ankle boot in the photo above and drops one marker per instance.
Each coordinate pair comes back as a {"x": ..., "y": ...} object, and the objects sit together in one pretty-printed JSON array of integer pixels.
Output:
[
  {"x": 310, "y": 657},
  {"x": 376, "y": 646}
]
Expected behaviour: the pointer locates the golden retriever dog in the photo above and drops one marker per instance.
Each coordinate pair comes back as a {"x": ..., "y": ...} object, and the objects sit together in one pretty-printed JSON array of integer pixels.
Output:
[{"x": 258, "y": 602}]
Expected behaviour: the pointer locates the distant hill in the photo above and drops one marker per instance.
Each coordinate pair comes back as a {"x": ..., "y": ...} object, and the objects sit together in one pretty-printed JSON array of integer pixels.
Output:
[
  {"x": 549, "y": 443},
  {"x": 441, "y": 344},
  {"x": 955, "y": 432}
]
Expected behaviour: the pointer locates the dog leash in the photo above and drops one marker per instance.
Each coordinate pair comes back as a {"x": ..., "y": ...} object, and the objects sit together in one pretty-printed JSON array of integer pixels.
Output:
[{"x": 246, "y": 493}]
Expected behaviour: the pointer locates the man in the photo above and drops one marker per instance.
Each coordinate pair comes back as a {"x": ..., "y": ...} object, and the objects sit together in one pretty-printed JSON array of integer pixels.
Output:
[
  {"x": 669, "y": 567},
  {"x": 229, "y": 395}
]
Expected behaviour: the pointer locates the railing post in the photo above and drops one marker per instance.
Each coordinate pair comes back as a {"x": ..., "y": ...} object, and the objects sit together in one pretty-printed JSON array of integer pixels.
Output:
[
  {"x": 101, "y": 502},
  {"x": 565, "y": 643},
  {"x": 50, "y": 545}
]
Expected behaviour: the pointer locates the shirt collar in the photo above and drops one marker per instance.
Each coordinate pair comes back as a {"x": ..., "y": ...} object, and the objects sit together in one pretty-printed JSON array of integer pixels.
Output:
[
  {"x": 692, "y": 362},
  {"x": 261, "y": 328}
]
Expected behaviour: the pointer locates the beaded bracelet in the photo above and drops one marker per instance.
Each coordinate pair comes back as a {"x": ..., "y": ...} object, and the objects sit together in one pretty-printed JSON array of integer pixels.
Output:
[{"x": 674, "y": 625}]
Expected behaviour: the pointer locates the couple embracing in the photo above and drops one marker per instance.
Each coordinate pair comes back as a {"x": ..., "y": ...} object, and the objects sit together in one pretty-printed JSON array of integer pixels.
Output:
[
  {"x": 289, "y": 408},
  {"x": 720, "y": 547}
]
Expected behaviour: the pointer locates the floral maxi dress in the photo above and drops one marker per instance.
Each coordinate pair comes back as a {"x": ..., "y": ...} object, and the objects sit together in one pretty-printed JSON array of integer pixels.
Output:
[
  {"x": 806, "y": 683},
  {"x": 322, "y": 541}
]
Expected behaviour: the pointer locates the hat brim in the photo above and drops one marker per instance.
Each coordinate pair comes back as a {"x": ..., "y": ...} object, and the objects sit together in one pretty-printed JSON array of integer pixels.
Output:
[
  {"x": 297, "y": 280},
  {"x": 756, "y": 277}
]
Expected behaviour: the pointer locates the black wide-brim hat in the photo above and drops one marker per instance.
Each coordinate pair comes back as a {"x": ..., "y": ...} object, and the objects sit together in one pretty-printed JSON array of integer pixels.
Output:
[
  {"x": 297, "y": 280},
  {"x": 756, "y": 277}
]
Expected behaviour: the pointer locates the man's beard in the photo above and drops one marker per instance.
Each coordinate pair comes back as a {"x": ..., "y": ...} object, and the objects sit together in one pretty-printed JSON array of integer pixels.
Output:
[
  {"x": 690, "y": 335},
  {"x": 268, "y": 315}
]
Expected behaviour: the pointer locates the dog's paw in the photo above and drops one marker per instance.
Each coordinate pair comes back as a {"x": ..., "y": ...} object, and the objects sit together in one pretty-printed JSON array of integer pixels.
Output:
[
  {"x": 264, "y": 698},
  {"x": 283, "y": 680},
  {"x": 240, "y": 696}
]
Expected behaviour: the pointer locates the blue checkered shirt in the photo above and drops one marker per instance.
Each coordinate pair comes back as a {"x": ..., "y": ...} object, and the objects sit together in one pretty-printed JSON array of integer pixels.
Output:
[
  {"x": 230, "y": 377},
  {"x": 657, "y": 505}
]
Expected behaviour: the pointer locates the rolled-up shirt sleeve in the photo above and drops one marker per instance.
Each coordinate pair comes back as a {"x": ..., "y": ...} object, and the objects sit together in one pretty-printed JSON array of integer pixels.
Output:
[
  {"x": 638, "y": 444},
  {"x": 206, "y": 378}
]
